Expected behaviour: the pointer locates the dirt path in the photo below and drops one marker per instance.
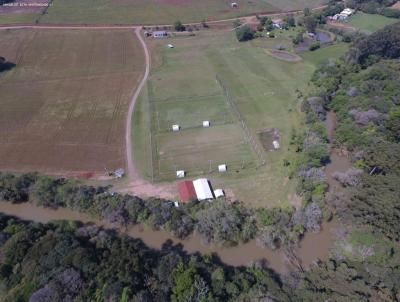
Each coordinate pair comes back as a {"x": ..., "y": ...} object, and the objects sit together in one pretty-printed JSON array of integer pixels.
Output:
[{"x": 137, "y": 184}]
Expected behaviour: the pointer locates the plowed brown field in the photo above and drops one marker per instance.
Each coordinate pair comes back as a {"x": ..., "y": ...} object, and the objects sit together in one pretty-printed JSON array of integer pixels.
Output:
[{"x": 64, "y": 105}]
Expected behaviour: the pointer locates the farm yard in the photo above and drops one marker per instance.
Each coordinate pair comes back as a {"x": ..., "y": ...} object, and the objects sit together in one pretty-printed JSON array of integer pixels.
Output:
[
  {"x": 183, "y": 90},
  {"x": 162, "y": 11},
  {"x": 63, "y": 107}
]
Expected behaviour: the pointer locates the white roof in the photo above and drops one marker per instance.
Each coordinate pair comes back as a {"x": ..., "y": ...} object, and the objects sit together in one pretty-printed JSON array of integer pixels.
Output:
[
  {"x": 180, "y": 174},
  {"x": 222, "y": 168},
  {"x": 202, "y": 188},
  {"x": 170, "y": 46},
  {"x": 206, "y": 123},
  {"x": 219, "y": 193},
  {"x": 276, "y": 144},
  {"x": 175, "y": 127}
]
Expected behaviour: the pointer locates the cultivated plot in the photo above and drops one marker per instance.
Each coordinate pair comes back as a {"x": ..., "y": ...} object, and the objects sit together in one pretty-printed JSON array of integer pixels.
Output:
[{"x": 64, "y": 104}]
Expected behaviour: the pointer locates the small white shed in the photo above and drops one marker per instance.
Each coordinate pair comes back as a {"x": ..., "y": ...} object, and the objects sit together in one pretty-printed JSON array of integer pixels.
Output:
[
  {"x": 219, "y": 193},
  {"x": 234, "y": 5},
  {"x": 206, "y": 124},
  {"x": 276, "y": 145},
  {"x": 222, "y": 168},
  {"x": 176, "y": 128},
  {"x": 180, "y": 174},
  {"x": 170, "y": 46}
]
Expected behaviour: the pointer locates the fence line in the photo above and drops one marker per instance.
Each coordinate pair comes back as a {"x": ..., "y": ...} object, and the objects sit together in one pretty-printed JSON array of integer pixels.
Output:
[{"x": 248, "y": 136}]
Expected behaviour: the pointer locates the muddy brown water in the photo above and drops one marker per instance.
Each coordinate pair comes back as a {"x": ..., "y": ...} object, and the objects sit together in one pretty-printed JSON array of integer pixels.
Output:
[{"x": 312, "y": 247}]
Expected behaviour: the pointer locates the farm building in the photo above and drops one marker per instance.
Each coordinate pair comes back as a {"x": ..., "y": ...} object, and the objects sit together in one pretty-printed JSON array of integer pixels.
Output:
[
  {"x": 186, "y": 191},
  {"x": 206, "y": 124},
  {"x": 180, "y": 174},
  {"x": 199, "y": 189},
  {"x": 344, "y": 15},
  {"x": 203, "y": 189},
  {"x": 160, "y": 34},
  {"x": 219, "y": 193},
  {"x": 175, "y": 128},
  {"x": 119, "y": 173},
  {"x": 222, "y": 168},
  {"x": 234, "y": 5}
]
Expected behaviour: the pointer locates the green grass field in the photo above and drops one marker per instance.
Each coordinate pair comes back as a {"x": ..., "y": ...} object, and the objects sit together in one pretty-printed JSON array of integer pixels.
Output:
[
  {"x": 320, "y": 56},
  {"x": 183, "y": 90},
  {"x": 369, "y": 23},
  {"x": 161, "y": 11}
]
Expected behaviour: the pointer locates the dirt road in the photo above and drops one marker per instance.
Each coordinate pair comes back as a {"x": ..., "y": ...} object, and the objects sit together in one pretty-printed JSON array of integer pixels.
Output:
[{"x": 137, "y": 184}]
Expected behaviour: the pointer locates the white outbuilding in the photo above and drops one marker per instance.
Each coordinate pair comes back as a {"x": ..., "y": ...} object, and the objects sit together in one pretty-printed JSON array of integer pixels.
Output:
[
  {"x": 180, "y": 174},
  {"x": 176, "y": 128},
  {"x": 206, "y": 124},
  {"x": 219, "y": 193},
  {"x": 276, "y": 145},
  {"x": 222, "y": 168},
  {"x": 203, "y": 189},
  {"x": 170, "y": 46}
]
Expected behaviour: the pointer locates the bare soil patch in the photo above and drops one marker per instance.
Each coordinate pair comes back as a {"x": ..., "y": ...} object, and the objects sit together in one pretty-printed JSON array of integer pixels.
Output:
[
  {"x": 64, "y": 104},
  {"x": 396, "y": 5},
  {"x": 283, "y": 55}
]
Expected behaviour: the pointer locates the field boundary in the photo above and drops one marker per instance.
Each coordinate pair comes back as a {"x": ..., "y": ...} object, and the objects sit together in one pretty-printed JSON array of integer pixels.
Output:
[{"x": 256, "y": 148}]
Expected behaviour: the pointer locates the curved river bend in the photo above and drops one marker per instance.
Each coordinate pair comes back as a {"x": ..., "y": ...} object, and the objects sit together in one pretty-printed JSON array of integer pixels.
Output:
[{"x": 312, "y": 247}]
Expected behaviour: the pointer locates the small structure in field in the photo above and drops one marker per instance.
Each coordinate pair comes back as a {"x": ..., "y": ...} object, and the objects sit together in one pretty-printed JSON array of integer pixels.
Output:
[
  {"x": 276, "y": 145},
  {"x": 160, "y": 34},
  {"x": 219, "y": 193},
  {"x": 187, "y": 192},
  {"x": 206, "y": 124},
  {"x": 119, "y": 173},
  {"x": 203, "y": 189},
  {"x": 234, "y": 5},
  {"x": 170, "y": 46},
  {"x": 176, "y": 128},
  {"x": 222, "y": 168},
  {"x": 180, "y": 174},
  {"x": 344, "y": 15}
]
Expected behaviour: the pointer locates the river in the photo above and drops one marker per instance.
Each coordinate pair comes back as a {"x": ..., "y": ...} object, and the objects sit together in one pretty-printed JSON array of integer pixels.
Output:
[{"x": 312, "y": 247}]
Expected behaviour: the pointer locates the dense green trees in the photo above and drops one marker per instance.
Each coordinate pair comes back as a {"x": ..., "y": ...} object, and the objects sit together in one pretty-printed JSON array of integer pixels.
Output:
[
  {"x": 244, "y": 33},
  {"x": 65, "y": 262}
]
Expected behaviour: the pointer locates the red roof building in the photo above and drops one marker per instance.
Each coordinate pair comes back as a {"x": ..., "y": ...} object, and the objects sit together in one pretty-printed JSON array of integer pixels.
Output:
[{"x": 186, "y": 191}]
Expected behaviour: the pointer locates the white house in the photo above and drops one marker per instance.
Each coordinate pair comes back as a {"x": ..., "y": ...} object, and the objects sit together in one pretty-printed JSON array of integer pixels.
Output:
[
  {"x": 234, "y": 5},
  {"x": 222, "y": 168},
  {"x": 160, "y": 34},
  {"x": 170, "y": 46},
  {"x": 176, "y": 128},
  {"x": 276, "y": 145},
  {"x": 203, "y": 189},
  {"x": 206, "y": 124},
  {"x": 180, "y": 174}
]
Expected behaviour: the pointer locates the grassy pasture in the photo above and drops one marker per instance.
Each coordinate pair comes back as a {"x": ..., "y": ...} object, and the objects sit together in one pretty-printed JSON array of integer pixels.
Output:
[
  {"x": 183, "y": 89},
  {"x": 320, "y": 56},
  {"x": 64, "y": 104},
  {"x": 370, "y": 23},
  {"x": 162, "y": 11}
]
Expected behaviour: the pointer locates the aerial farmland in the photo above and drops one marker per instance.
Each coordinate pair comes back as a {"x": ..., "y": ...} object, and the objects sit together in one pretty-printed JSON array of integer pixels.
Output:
[{"x": 64, "y": 104}]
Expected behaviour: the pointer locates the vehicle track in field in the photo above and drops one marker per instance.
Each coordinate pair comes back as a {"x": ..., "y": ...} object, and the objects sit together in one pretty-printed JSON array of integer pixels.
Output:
[{"x": 137, "y": 184}]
